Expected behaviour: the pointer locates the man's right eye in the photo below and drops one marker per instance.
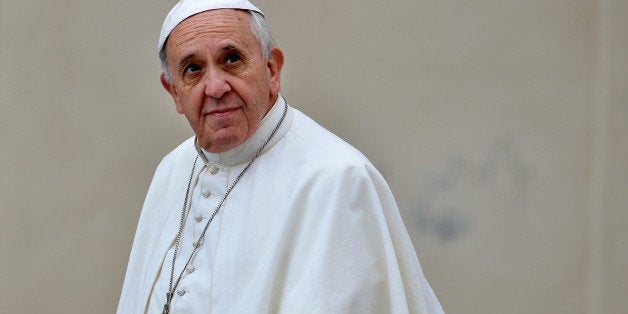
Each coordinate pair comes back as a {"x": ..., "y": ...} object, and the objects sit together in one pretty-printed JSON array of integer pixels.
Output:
[{"x": 191, "y": 68}]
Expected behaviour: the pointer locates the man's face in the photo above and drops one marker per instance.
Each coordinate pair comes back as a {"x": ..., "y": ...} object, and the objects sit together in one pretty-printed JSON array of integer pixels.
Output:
[{"x": 221, "y": 81}]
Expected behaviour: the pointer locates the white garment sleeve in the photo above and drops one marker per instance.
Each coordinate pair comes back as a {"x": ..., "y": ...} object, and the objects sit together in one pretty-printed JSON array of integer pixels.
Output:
[{"x": 358, "y": 257}]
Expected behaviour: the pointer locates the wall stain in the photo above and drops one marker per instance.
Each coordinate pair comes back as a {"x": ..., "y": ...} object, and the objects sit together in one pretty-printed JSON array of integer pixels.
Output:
[{"x": 453, "y": 193}]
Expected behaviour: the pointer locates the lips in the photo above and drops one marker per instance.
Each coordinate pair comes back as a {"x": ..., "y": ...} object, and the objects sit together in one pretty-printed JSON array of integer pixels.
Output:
[{"x": 223, "y": 112}]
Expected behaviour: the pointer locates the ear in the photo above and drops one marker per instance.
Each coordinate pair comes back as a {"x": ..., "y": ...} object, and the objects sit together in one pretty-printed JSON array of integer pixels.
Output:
[
  {"x": 169, "y": 87},
  {"x": 275, "y": 63}
]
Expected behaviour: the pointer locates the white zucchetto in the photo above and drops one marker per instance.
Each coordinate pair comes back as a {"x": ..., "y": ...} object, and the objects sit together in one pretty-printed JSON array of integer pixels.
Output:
[{"x": 186, "y": 8}]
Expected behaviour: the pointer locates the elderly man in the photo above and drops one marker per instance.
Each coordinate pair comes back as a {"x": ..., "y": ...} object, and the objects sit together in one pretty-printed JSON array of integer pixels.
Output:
[{"x": 263, "y": 211}]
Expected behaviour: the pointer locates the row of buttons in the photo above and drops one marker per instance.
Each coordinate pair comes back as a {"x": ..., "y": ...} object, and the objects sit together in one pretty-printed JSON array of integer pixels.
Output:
[
  {"x": 211, "y": 169},
  {"x": 189, "y": 269}
]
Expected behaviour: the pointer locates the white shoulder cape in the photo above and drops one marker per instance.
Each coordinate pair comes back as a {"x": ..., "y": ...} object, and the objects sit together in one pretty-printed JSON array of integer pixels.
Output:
[{"x": 311, "y": 228}]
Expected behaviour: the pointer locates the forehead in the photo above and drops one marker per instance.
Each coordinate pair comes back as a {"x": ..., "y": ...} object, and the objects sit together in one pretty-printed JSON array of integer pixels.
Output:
[{"x": 213, "y": 27}]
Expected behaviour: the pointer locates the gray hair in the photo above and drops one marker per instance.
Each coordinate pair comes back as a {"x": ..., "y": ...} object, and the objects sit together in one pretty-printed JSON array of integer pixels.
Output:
[{"x": 259, "y": 28}]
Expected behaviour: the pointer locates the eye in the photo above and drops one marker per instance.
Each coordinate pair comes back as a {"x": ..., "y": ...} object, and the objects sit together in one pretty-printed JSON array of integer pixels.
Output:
[
  {"x": 232, "y": 58},
  {"x": 191, "y": 68}
]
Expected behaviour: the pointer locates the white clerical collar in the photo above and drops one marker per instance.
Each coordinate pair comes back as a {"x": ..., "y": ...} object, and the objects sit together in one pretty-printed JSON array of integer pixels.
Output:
[{"x": 245, "y": 151}]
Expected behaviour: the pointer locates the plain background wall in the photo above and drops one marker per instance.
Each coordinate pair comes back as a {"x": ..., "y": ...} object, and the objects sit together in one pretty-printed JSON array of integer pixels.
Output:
[{"x": 500, "y": 126}]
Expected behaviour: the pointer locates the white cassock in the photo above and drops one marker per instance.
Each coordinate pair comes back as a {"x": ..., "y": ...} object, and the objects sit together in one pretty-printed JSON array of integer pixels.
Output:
[{"x": 312, "y": 227}]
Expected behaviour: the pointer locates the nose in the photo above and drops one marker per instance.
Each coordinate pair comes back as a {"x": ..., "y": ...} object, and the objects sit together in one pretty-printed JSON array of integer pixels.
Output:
[{"x": 216, "y": 84}]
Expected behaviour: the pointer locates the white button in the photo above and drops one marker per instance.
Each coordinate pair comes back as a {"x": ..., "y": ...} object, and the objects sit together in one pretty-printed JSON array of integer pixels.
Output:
[
  {"x": 197, "y": 243},
  {"x": 198, "y": 218},
  {"x": 212, "y": 169},
  {"x": 206, "y": 193},
  {"x": 190, "y": 269},
  {"x": 181, "y": 292}
]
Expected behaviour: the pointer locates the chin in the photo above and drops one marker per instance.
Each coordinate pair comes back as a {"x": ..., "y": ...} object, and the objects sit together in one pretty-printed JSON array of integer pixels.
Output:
[{"x": 224, "y": 140}]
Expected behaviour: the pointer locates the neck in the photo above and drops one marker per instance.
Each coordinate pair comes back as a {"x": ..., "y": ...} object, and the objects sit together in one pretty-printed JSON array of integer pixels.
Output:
[{"x": 245, "y": 151}]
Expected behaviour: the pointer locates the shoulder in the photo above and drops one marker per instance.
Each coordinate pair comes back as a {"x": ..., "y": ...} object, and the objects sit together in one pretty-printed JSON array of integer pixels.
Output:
[
  {"x": 177, "y": 160},
  {"x": 319, "y": 146},
  {"x": 311, "y": 154},
  {"x": 182, "y": 152},
  {"x": 185, "y": 148}
]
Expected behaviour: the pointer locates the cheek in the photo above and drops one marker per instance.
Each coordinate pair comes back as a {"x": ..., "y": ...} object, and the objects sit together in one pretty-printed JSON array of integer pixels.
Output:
[{"x": 191, "y": 101}]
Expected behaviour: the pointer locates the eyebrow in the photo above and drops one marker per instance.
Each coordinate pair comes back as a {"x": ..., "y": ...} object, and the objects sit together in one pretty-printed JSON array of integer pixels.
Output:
[
  {"x": 231, "y": 48},
  {"x": 185, "y": 60}
]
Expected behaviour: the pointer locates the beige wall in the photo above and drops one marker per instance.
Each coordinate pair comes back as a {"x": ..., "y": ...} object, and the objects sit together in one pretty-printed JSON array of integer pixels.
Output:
[{"x": 500, "y": 126}]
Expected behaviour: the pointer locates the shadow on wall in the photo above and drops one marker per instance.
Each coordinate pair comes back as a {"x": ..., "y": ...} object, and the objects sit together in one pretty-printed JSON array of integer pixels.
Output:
[{"x": 466, "y": 184}]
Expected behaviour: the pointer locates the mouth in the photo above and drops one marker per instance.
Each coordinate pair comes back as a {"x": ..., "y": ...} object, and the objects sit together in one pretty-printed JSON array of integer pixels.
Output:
[{"x": 223, "y": 112}]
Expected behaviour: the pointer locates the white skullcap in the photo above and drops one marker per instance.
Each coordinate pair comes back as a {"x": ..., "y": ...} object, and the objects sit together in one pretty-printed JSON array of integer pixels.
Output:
[{"x": 187, "y": 8}]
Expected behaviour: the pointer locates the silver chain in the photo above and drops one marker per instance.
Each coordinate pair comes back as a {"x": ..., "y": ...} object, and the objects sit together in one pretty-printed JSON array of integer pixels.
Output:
[{"x": 197, "y": 244}]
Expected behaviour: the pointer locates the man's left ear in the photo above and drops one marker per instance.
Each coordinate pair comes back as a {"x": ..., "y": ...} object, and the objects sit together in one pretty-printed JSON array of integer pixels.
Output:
[
  {"x": 169, "y": 87},
  {"x": 275, "y": 63}
]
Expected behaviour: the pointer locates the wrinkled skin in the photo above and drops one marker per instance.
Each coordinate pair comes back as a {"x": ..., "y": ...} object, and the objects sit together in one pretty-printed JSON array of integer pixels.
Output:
[{"x": 221, "y": 81}]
